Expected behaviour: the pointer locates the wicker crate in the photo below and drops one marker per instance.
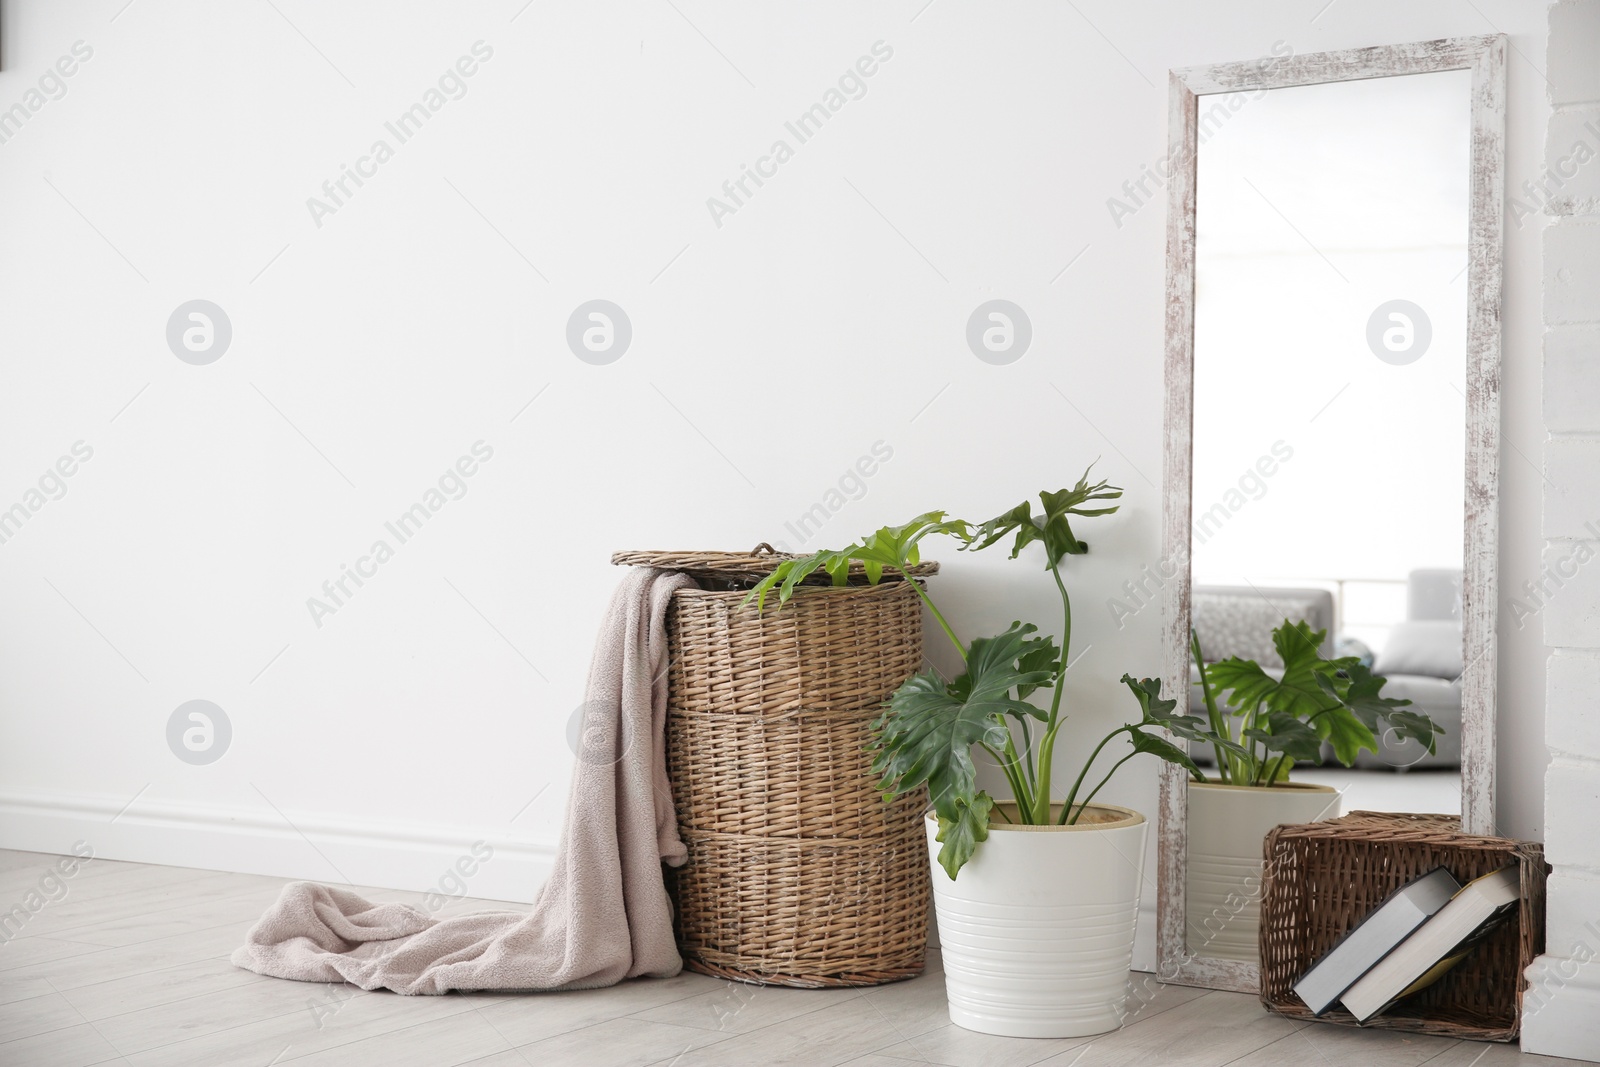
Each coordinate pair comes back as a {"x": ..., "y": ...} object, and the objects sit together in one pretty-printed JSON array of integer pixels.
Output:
[
  {"x": 798, "y": 873},
  {"x": 1321, "y": 879}
]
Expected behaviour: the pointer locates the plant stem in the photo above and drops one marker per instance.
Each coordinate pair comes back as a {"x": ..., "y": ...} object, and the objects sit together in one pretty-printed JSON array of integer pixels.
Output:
[
  {"x": 1018, "y": 787},
  {"x": 1047, "y": 747},
  {"x": 1103, "y": 781},
  {"x": 1253, "y": 766},
  {"x": 939, "y": 615},
  {"x": 1066, "y": 628},
  {"x": 1218, "y": 727},
  {"x": 1255, "y": 779},
  {"x": 1041, "y": 779},
  {"x": 1073, "y": 792},
  {"x": 1009, "y": 767},
  {"x": 1027, "y": 749}
]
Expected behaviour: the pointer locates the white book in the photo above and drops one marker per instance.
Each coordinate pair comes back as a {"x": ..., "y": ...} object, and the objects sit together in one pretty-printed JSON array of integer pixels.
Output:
[
  {"x": 1438, "y": 945},
  {"x": 1391, "y": 923}
]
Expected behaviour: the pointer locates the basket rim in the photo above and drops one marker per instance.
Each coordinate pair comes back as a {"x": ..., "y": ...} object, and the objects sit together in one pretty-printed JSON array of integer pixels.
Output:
[
  {"x": 1368, "y": 826},
  {"x": 755, "y": 564}
]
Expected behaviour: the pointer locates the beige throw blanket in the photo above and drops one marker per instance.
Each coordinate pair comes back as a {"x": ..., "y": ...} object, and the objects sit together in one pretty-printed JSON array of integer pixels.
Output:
[{"x": 603, "y": 916}]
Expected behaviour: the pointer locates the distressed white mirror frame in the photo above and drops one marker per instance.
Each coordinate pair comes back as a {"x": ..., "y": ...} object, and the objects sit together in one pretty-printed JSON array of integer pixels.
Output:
[{"x": 1485, "y": 58}]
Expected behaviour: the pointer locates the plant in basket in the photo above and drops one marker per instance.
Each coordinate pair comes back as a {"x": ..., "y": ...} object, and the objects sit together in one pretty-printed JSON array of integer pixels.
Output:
[{"x": 1079, "y": 864}]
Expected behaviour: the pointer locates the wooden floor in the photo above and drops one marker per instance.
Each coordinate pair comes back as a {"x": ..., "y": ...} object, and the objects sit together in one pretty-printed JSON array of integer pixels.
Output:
[{"x": 130, "y": 966}]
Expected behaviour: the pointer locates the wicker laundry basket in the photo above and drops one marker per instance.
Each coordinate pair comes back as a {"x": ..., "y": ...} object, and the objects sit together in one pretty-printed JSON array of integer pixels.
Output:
[{"x": 799, "y": 873}]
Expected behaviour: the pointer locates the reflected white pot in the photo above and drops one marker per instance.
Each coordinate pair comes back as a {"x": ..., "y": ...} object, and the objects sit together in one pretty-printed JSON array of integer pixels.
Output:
[
  {"x": 1037, "y": 930},
  {"x": 1227, "y": 825}
]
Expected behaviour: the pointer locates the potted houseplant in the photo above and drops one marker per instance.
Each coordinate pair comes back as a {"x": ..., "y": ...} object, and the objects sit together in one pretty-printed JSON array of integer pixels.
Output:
[
  {"x": 1259, "y": 723},
  {"x": 1038, "y": 927}
]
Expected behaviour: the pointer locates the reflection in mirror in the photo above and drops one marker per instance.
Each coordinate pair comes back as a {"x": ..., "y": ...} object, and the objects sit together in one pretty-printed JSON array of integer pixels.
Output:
[{"x": 1329, "y": 428}]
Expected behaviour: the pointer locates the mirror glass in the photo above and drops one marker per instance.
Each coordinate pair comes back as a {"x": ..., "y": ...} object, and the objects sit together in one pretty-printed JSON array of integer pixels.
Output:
[{"x": 1329, "y": 397}]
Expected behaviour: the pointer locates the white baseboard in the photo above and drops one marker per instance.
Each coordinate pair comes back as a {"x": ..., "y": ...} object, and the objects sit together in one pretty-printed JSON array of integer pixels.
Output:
[
  {"x": 1561, "y": 1010},
  {"x": 396, "y": 855}
]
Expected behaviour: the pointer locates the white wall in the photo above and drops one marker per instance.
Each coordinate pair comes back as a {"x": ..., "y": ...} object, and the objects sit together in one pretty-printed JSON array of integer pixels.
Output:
[
  {"x": 1563, "y": 1004},
  {"x": 769, "y": 352}
]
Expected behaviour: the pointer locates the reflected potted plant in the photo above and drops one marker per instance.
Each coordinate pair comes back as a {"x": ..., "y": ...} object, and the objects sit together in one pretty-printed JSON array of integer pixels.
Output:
[
  {"x": 1036, "y": 896},
  {"x": 1258, "y": 725}
]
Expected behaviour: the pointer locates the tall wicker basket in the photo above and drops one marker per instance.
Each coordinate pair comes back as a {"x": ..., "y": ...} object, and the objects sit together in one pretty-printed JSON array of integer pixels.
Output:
[{"x": 799, "y": 873}]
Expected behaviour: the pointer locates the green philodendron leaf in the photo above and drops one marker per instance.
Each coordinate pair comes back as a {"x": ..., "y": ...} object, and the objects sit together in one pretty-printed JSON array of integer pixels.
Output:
[
  {"x": 1282, "y": 733},
  {"x": 1159, "y": 712},
  {"x": 1361, "y": 692},
  {"x": 838, "y": 567},
  {"x": 927, "y": 732},
  {"x": 1147, "y": 691},
  {"x": 1348, "y": 734},
  {"x": 923, "y": 738},
  {"x": 1160, "y": 746},
  {"x": 890, "y": 547},
  {"x": 789, "y": 573},
  {"x": 1019, "y": 518},
  {"x": 1299, "y": 692},
  {"x": 959, "y": 836},
  {"x": 1042, "y": 657},
  {"x": 996, "y": 665},
  {"x": 1415, "y": 726},
  {"x": 1198, "y": 730},
  {"x": 1053, "y": 527}
]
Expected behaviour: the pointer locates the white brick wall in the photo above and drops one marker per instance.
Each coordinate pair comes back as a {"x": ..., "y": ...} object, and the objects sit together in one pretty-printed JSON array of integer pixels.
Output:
[
  {"x": 1572, "y": 797},
  {"x": 1566, "y": 596},
  {"x": 1572, "y": 164},
  {"x": 1572, "y": 684},
  {"x": 1572, "y": 377},
  {"x": 1572, "y": 73},
  {"x": 1572, "y": 271},
  {"x": 1572, "y": 487},
  {"x": 1573, "y": 921},
  {"x": 1563, "y": 1003}
]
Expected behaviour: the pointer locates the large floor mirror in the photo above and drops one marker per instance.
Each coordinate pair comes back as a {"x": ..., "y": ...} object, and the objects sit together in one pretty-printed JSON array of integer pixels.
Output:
[{"x": 1332, "y": 440}]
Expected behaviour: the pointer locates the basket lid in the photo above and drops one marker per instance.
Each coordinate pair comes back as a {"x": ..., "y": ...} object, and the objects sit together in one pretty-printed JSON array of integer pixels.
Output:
[{"x": 749, "y": 566}]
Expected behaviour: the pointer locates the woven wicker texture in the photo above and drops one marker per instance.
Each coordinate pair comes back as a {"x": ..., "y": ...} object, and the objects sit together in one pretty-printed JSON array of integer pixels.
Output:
[
  {"x": 806, "y": 912},
  {"x": 798, "y": 873},
  {"x": 814, "y": 781},
  {"x": 826, "y": 649},
  {"x": 1321, "y": 879}
]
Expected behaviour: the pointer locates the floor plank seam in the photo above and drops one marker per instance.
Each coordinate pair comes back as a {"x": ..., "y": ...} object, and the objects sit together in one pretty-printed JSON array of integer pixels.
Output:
[
  {"x": 1441, "y": 1052},
  {"x": 1266, "y": 1044}
]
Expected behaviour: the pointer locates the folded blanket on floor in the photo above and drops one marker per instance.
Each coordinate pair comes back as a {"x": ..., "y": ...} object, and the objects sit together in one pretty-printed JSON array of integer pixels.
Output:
[{"x": 603, "y": 915}]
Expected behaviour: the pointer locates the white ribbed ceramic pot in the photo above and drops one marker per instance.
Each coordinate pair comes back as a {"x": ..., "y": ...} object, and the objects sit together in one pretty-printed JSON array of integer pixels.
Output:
[
  {"x": 1037, "y": 929},
  {"x": 1227, "y": 824}
]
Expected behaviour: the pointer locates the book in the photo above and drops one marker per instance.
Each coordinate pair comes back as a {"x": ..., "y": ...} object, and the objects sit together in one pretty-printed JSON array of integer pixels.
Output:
[
  {"x": 1389, "y": 924},
  {"x": 1438, "y": 945}
]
